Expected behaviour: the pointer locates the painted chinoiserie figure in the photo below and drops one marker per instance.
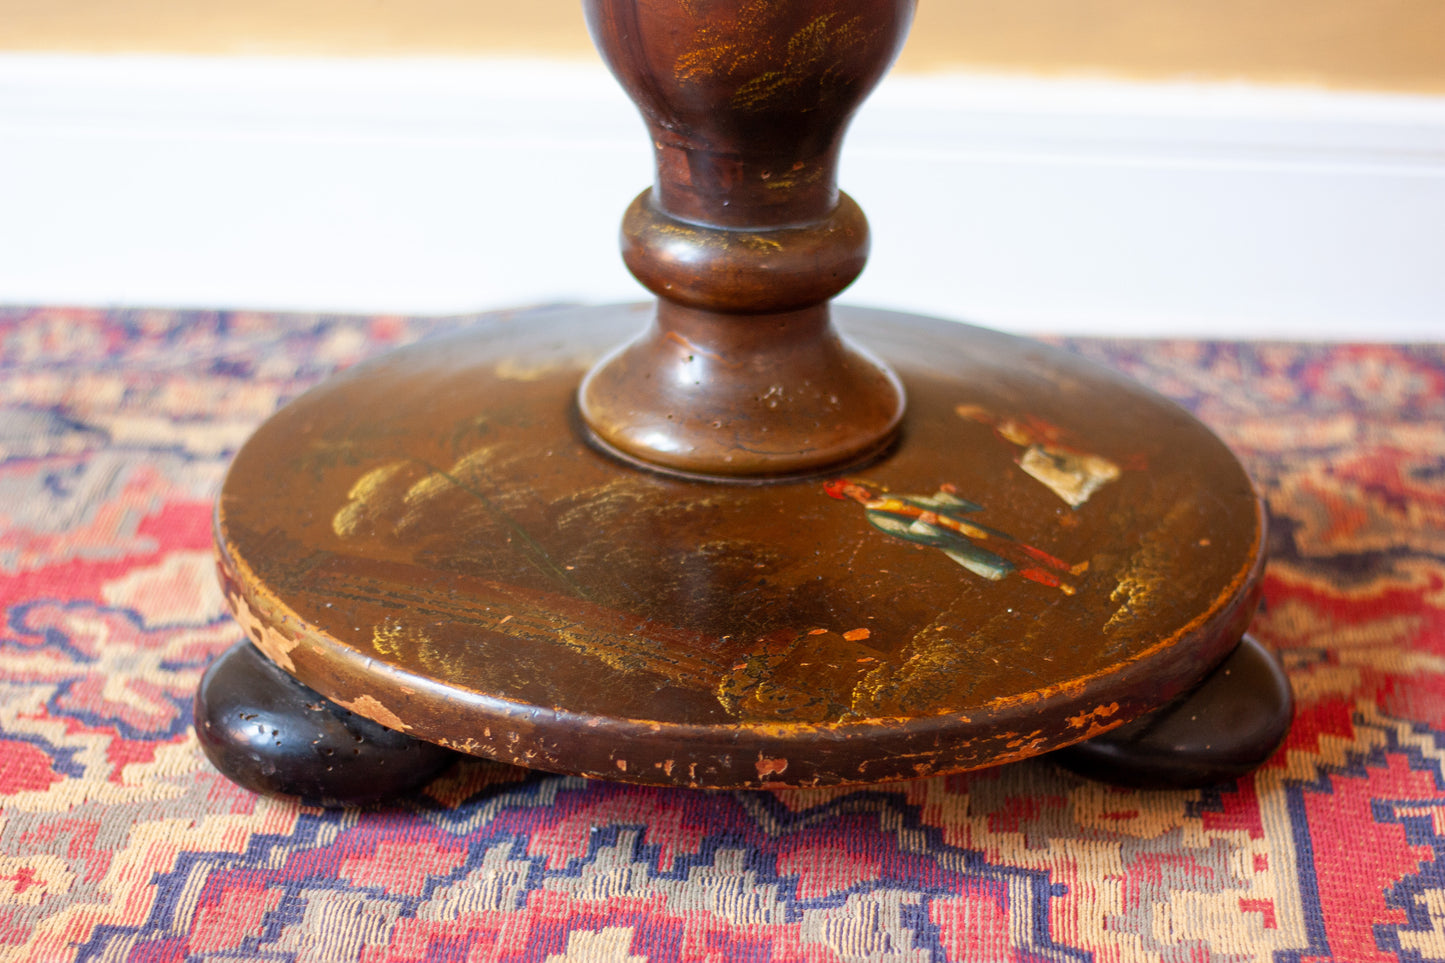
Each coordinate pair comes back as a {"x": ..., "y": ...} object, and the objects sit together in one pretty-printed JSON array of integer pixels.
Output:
[{"x": 944, "y": 521}]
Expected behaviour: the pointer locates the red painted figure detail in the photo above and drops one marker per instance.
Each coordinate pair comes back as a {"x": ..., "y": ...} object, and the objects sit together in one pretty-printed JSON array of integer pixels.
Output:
[{"x": 941, "y": 521}]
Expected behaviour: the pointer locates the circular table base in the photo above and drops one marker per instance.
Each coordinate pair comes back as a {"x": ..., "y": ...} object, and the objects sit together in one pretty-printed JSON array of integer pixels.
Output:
[{"x": 1047, "y": 551}]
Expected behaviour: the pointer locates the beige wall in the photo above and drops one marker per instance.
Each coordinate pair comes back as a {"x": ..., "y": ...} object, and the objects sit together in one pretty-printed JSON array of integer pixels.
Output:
[{"x": 1394, "y": 45}]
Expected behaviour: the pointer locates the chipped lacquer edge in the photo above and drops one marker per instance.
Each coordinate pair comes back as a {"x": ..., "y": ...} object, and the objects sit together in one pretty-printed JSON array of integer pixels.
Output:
[{"x": 739, "y": 754}]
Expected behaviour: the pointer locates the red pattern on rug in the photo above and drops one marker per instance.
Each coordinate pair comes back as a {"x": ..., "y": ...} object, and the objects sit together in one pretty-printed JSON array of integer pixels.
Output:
[{"x": 119, "y": 842}]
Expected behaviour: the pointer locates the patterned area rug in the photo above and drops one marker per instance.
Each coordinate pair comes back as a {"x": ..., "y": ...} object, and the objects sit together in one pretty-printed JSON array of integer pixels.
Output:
[{"x": 119, "y": 842}]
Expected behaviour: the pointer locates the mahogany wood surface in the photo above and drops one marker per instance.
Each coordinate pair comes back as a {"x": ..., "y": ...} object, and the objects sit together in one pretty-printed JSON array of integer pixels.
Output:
[
  {"x": 269, "y": 733},
  {"x": 431, "y": 541},
  {"x": 744, "y": 236},
  {"x": 741, "y": 550},
  {"x": 1222, "y": 730}
]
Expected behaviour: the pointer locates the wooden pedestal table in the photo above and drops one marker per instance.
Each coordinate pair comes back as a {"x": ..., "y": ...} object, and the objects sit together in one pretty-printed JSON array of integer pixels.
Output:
[{"x": 742, "y": 549}]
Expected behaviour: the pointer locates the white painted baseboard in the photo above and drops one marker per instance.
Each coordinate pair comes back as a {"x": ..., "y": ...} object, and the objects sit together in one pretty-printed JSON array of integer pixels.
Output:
[{"x": 455, "y": 186}]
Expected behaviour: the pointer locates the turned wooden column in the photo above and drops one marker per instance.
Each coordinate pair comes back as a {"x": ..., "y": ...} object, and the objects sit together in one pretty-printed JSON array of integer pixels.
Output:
[{"x": 744, "y": 237}]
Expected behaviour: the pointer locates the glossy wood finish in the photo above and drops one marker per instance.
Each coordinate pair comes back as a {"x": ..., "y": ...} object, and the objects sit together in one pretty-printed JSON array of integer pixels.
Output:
[
  {"x": 273, "y": 735},
  {"x": 1222, "y": 730},
  {"x": 747, "y": 100},
  {"x": 452, "y": 559},
  {"x": 745, "y": 237},
  {"x": 728, "y": 553}
]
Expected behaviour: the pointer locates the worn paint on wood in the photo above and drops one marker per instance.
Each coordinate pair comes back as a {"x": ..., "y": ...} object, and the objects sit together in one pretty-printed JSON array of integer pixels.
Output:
[{"x": 474, "y": 572}]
